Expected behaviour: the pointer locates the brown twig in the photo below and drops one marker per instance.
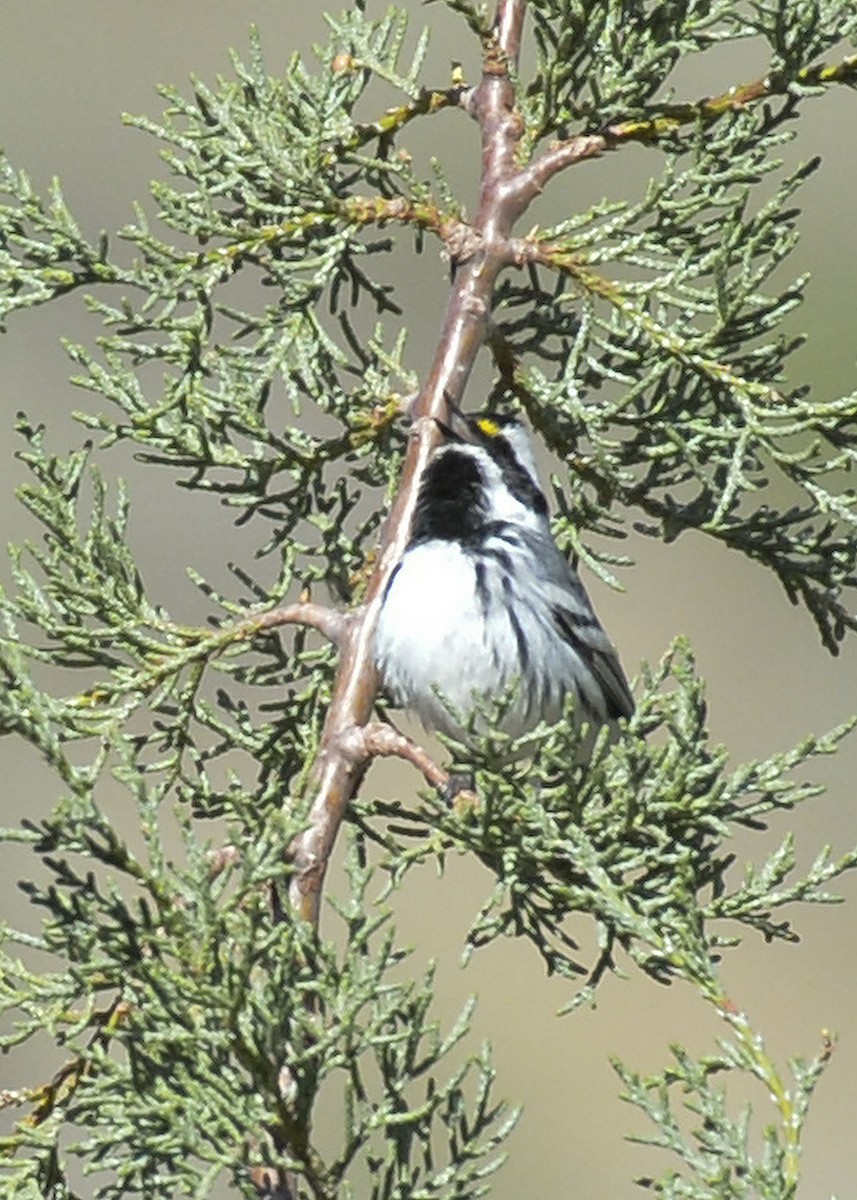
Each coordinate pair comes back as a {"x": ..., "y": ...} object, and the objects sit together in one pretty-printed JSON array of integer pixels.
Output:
[
  {"x": 430, "y": 100},
  {"x": 671, "y": 118},
  {"x": 363, "y": 742},
  {"x": 383, "y": 741},
  {"x": 330, "y": 622},
  {"x": 341, "y": 764}
]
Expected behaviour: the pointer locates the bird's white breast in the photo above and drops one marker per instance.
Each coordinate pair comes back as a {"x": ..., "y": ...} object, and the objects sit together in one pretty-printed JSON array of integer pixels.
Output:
[{"x": 432, "y": 637}]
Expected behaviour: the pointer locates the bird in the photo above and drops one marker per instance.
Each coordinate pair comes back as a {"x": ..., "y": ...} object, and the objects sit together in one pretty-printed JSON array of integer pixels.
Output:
[{"x": 483, "y": 605}]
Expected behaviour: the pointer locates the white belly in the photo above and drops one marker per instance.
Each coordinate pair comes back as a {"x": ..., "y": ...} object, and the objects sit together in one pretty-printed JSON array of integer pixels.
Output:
[{"x": 433, "y": 637}]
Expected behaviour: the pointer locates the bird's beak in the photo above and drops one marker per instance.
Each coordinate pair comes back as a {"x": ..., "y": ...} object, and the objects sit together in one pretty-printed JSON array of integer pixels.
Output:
[
  {"x": 455, "y": 415},
  {"x": 462, "y": 428}
]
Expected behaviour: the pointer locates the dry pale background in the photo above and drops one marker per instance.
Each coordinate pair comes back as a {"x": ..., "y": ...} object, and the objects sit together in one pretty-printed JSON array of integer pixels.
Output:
[{"x": 66, "y": 73}]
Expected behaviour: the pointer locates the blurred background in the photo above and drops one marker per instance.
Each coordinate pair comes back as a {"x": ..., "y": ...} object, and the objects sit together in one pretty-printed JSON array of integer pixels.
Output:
[{"x": 67, "y": 72}]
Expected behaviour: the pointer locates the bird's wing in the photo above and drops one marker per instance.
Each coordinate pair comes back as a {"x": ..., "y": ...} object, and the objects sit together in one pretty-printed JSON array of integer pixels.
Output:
[{"x": 575, "y": 619}]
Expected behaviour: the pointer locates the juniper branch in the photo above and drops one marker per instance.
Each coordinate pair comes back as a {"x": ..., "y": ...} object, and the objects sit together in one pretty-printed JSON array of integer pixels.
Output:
[
  {"x": 385, "y": 127},
  {"x": 636, "y": 844},
  {"x": 339, "y": 769},
  {"x": 670, "y": 119},
  {"x": 331, "y": 622},
  {"x": 482, "y": 252}
]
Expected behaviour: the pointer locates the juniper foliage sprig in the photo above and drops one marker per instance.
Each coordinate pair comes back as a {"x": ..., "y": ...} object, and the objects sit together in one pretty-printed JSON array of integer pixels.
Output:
[
  {"x": 253, "y": 349},
  {"x": 199, "y": 1037},
  {"x": 719, "y": 1159},
  {"x": 636, "y": 837},
  {"x": 665, "y": 316}
]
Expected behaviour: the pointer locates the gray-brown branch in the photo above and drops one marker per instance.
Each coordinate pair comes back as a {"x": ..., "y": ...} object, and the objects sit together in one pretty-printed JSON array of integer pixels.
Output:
[{"x": 504, "y": 194}]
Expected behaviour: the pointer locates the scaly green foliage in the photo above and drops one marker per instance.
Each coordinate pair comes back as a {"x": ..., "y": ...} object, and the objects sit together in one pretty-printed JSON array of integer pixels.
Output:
[
  {"x": 635, "y": 835},
  {"x": 253, "y": 351}
]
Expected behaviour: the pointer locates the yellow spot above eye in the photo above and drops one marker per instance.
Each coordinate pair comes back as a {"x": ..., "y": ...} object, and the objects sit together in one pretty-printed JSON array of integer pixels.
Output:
[{"x": 488, "y": 427}]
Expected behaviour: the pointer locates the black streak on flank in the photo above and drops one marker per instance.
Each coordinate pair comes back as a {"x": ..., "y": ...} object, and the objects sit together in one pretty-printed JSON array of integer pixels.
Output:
[
  {"x": 483, "y": 592},
  {"x": 521, "y": 641},
  {"x": 449, "y": 504}
]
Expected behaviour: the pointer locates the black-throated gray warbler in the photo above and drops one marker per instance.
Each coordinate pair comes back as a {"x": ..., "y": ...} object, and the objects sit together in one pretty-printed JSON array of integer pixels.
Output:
[{"x": 483, "y": 600}]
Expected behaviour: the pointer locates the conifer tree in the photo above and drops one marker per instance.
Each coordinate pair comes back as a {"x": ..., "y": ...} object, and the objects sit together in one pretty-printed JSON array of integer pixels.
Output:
[{"x": 203, "y": 1000}]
